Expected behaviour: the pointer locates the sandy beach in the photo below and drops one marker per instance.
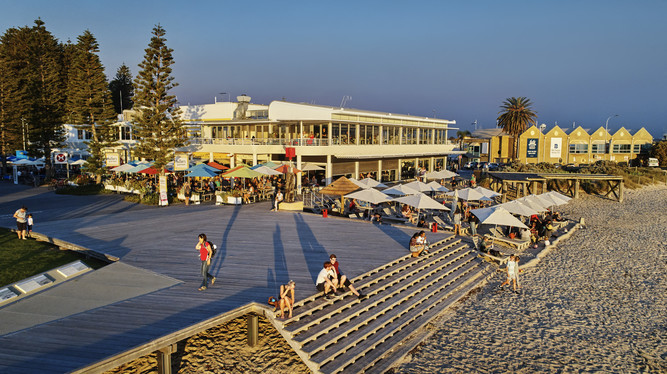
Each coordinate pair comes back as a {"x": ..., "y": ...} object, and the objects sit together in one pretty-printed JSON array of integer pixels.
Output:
[{"x": 595, "y": 303}]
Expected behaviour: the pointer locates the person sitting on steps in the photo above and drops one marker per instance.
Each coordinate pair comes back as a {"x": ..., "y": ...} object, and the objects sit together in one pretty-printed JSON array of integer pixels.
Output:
[{"x": 327, "y": 280}]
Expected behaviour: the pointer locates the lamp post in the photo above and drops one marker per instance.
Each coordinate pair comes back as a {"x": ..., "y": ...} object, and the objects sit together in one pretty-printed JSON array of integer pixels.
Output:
[{"x": 606, "y": 129}]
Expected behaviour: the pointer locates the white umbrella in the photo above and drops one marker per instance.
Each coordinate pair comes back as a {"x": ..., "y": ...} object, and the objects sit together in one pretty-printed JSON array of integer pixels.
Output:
[
  {"x": 517, "y": 207},
  {"x": 25, "y": 161},
  {"x": 533, "y": 203},
  {"x": 559, "y": 196},
  {"x": 356, "y": 181},
  {"x": 78, "y": 162},
  {"x": 370, "y": 182},
  {"x": 370, "y": 195},
  {"x": 400, "y": 190},
  {"x": 420, "y": 201},
  {"x": 486, "y": 192},
  {"x": 419, "y": 186},
  {"x": 267, "y": 170},
  {"x": 437, "y": 187},
  {"x": 442, "y": 174},
  {"x": 557, "y": 200},
  {"x": 122, "y": 168},
  {"x": 468, "y": 194},
  {"x": 497, "y": 216},
  {"x": 311, "y": 167}
]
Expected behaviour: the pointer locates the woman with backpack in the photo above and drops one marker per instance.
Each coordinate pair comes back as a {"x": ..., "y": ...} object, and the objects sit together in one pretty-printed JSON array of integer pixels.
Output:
[{"x": 205, "y": 254}]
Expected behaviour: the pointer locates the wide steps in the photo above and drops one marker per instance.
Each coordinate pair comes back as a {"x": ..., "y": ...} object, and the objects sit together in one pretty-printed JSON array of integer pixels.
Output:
[
  {"x": 377, "y": 287},
  {"x": 342, "y": 327},
  {"x": 400, "y": 316}
]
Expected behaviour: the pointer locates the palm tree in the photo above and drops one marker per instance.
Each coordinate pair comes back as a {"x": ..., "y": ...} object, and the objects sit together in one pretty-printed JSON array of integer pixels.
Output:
[
  {"x": 460, "y": 135},
  {"x": 515, "y": 116}
]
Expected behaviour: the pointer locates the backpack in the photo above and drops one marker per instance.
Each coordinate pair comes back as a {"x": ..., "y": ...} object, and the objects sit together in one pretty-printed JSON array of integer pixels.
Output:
[{"x": 214, "y": 248}]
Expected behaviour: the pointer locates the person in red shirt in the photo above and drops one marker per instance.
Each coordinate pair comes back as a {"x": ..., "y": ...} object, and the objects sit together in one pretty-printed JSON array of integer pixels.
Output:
[
  {"x": 342, "y": 279},
  {"x": 205, "y": 252}
]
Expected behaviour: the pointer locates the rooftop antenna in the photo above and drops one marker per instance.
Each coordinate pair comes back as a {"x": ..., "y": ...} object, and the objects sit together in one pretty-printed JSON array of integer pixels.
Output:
[
  {"x": 344, "y": 100},
  {"x": 475, "y": 124},
  {"x": 573, "y": 122}
]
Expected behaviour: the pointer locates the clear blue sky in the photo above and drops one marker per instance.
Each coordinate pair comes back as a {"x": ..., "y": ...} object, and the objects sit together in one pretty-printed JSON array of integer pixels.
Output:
[{"x": 578, "y": 61}]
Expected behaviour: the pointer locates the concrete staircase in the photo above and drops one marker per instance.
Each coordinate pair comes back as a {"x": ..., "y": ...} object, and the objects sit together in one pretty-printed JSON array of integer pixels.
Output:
[{"x": 351, "y": 336}]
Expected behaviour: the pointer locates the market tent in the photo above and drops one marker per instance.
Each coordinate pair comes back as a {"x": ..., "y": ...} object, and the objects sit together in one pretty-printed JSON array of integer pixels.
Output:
[
  {"x": 311, "y": 167},
  {"x": 266, "y": 170},
  {"x": 370, "y": 182},
  {"x": 497, "y": 216},
  {"x": 442, "y": 174},
  {"x": 370, "y": 195},
  {"x": 401, "y": 190},
  {"x": 214, "y": 164},
  {"x": 419, "y": 186},
  {"x": 420, "y": 201},
  {"x": 519, "y": 208}
]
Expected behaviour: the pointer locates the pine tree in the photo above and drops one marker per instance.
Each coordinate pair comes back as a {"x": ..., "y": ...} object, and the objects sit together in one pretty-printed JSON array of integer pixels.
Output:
[
  {"x": 159, "y": 126},
  {"x": 122, "y": 89},
  {"x": 10, "y": 97},
  {"x": 89, "y": 102}
]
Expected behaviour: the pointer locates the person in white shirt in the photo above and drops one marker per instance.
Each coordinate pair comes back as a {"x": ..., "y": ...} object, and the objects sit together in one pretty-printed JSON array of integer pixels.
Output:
[
  {"x": 326, "y": 280},
  {"x": 512, "y": 273}
]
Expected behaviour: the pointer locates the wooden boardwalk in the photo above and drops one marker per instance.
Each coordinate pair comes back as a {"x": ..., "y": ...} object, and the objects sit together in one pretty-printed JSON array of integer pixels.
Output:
[{"x": 257, "y": 251}]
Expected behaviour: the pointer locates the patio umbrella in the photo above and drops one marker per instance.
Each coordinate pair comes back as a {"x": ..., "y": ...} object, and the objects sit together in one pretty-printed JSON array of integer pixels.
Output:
[
  {"x": 517, "y": 207},
  {"x": 559, "y": 196},
  {"x": 546, "y": 202},
  {"x": 370, "y": 195},
  {"x": 486, "y": 192},
  {"x": 420, "y": 201},
  {"x": 214, "y": 164},
  {"x": 139, "y": 167},
  {"x": 266, "y": 170},
  {"x": 122, "y": 168},
  {"x": 533, "y": 203},
  {"x": 202, "y": 166},
  {"x": 340, "y": 187},
  {"x": 268, "y": 164},
  {"x": 437, "y": 187},
  {"x": 285, "y": 169},
  {"x": 78, "y": 162},
  {"x": 419, "y": 186},
  {"x": 557, "y": 200},
  {"x": 400, "y": 190},
  {"x": 152, "y": 171},
  {"x": 468, "y": 194},
  {"x": 242, "y": 172},
  {"x": 203, "y": 173},
  {"x": 442, "y": 174},
  {"x": 497, "y": 216},
  {"x": 311, "y": 167},
  {"x": 370, "y": 182}
]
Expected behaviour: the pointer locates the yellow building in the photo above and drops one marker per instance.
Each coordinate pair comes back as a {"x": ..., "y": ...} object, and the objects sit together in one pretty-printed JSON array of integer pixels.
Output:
[{"x": 580, "y": 146}]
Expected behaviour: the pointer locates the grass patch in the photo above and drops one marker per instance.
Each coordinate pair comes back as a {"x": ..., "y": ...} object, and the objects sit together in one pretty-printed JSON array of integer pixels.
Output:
[{"x": 20, "y": 259}]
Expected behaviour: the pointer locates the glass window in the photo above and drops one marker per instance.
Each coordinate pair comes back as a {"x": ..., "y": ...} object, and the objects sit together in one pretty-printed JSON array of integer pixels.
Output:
[
  {"x": 353, "y": 134},
  {"x": 621, "y": 148},
  {"x": 125, "y": 133},
  {"x": 599, "y": 148},
  {"x": 578, "y": 148},
  {"x": 335, "y": 133},
  {"x": 363, "y": 136}
]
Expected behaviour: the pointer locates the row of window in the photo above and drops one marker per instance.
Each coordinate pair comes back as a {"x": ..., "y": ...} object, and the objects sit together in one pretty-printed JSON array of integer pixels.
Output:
[{"x": 604, "y": 148}]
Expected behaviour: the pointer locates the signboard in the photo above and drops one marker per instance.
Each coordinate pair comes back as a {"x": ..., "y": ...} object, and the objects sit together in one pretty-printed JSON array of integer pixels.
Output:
[
  {"x": 21, "y": 154},
  {"x": 556, "y": 145},
  {"x": 290, "y": 152},
  {"x": 181, "y": 161},
  {"x": 531, "y": 148},
  {"x": 113, "y": 160},
  {"x": 60, "y": 158},
  {"x": 164, "y": 201}
]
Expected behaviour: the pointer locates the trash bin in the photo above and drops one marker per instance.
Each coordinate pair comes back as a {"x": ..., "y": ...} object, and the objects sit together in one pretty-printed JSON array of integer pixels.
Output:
[
  {"x": 434, "y": 227},
  {"x": 325, "y": 213}
]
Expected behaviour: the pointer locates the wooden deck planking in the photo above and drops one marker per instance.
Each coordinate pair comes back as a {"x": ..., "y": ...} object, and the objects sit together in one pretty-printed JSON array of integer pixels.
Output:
[{"x": 258, "y": 250}]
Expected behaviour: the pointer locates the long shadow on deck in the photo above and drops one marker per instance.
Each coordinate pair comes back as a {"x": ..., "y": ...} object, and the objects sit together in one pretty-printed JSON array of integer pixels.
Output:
[
  {"x": 221, "y": 253},
  {"x": 279, "y": 274},
  {"x": 313, "y": 252}
]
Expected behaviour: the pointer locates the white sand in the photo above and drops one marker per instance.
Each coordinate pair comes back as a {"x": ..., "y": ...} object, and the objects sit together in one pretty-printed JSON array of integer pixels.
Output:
[{"x": 597, "y": 303}]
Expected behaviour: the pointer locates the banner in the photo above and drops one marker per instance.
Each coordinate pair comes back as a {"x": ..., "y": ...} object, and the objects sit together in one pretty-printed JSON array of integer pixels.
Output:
[
  {"x": 531, "y": 149},
  {"x": 556, "y": 144},
  {"x": 164, "y": 201},
  {"x": 181, "y": 161},
  {"x": 113, "y": 160}
]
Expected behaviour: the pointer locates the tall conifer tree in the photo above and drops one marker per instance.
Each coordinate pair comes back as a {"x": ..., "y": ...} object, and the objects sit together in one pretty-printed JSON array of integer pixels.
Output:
[
  {"x": 159, "y": 125},
  {"x": 89, "y": 101},
  {"x": 122, "y": 89},
  {"x": 10, "y": 98}
]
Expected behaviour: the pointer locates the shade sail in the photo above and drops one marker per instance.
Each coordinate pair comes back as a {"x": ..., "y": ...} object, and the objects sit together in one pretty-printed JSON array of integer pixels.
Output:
[
  {"x": 517, "y": 207},
  {"x": 242, "y": 172},
  {"x": 420, "y": 201},
  {"x": 311, "y": 167},
  {"x": 370, "y": 195},
  {"x": 339, "y": 187},
  {"x": 400, "y": 190},
  {"x": 497, "y": 216},
  {"x": 442, "y": 174}
]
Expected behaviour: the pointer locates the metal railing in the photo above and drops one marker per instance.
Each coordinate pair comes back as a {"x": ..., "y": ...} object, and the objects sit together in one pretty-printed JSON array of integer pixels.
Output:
[{"x": 261, "y": 141}]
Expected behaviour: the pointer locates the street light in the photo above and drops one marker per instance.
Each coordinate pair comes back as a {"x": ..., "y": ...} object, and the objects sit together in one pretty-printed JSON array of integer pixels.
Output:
[{"x": 606, "y": 129}]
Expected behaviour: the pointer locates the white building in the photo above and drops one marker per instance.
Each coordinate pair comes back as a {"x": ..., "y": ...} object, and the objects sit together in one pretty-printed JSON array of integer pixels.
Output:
[{"x": 341, "y": 140}]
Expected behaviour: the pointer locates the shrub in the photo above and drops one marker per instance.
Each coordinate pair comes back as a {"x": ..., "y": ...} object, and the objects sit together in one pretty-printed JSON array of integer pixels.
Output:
[{"x": 85, "y": 189}]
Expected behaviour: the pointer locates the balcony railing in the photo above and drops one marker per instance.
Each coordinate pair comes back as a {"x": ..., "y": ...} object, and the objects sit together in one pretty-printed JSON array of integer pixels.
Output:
[{"x": 305, "y": 142}]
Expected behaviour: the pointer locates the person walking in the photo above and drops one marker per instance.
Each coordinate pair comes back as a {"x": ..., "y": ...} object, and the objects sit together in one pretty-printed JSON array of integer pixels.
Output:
[
  {"x": 30, "y": 222},
  {"x": 21, "y": 217},
  {"x": 205, "y": 253},
  {"x": 512, "y": 273}
]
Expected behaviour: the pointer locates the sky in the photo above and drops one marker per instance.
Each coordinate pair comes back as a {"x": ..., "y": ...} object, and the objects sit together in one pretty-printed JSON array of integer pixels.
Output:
[{"x": 579, "y": 62}]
